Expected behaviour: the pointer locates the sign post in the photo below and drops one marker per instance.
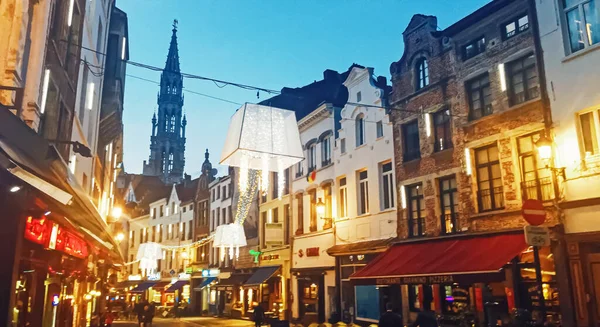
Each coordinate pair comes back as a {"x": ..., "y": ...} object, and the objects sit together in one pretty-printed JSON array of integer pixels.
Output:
[{"x": 534, "y": 213}]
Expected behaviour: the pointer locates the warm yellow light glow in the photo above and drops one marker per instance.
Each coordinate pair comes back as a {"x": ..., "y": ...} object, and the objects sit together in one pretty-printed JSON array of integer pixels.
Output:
[
  {"x": 502, "y": 77},
  {"x": 184, "y": 255},
  {"x": 427, "y": 118},
  {"x": 117, "y": 212},
  {"x": 403, "y": 196},
  {"x": 468, "y": 167},
  {"x": 120, "y": 237},
  {"x": 544, "y": 147},
  {"x": 320, "y": 208},
  {"x": 45, "y": 90}
]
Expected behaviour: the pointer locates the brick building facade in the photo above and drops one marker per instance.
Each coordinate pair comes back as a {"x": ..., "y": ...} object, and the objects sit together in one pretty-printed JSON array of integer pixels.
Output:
[{"x": 471, "y": 94}]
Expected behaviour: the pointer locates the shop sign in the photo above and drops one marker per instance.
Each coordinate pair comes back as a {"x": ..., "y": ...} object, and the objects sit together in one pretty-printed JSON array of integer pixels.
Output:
[
  {"x": 55, "y": 300},
  {"x": 52, "y": 236},
  {"x": 189, "y": 270},
  {"x": 312, "y": 252},
  {"x": 269, "y": 257},
  {"x": 537, "y": 235},
  {"x": 441, "y": 279},
  {"x": 134, "y": 277},
  {"x": 154, "y": 276},
  {"x": 210, "y": 272},
  {"x": 184, "y": 276}
]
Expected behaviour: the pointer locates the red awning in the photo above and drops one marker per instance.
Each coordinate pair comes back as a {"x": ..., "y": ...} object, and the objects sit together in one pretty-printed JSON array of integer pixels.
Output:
[{"x": 440, "y": 260}]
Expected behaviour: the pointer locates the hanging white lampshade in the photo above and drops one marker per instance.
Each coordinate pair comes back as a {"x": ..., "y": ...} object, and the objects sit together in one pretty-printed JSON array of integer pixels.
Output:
[
  {"x": 148, "y": 254},
  {"x": 230, "y": 237},
  {"x": 262, "y": 138}
]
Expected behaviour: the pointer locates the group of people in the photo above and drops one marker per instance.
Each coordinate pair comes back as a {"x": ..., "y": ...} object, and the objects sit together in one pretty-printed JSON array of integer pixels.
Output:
[
  {"x": 145, "y": 313},
  {"x": 104, "y": 319}
]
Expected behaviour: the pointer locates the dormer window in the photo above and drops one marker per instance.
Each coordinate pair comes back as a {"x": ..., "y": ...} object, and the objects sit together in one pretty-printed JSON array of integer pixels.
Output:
[{"x": 422, "y": 73}]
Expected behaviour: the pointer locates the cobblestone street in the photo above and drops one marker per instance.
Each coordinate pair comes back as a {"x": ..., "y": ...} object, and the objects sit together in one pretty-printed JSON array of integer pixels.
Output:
[{"x": 190, "y": 322}]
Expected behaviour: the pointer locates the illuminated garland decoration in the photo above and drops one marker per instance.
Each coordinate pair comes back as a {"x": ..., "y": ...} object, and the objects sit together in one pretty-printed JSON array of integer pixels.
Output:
[{"x": 246, "y": 194}]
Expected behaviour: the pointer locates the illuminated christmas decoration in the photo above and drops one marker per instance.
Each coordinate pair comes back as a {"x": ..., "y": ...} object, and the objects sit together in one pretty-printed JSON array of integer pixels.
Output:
[
  {"x": 148, "y": 254},
  {"x": 230, "y": 237},
  {"x": 262, "y": 138}
]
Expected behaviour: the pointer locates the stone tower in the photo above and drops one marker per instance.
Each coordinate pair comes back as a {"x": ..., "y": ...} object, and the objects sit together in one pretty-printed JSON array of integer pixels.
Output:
[{"x": 167, "y": 143}]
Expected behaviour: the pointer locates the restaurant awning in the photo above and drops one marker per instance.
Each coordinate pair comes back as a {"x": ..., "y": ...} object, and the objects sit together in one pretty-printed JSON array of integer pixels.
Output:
[
  {"x": 234, "y": 280},
  {"x": 360, "y": 247},
  {"x": 177, "y": 285},
  {"x": 261, "y": 275},
  {"x": 443, "y": 260},
  {"x": 142, "y": 287},
  {"x": 36, "y": 162},
  {"x": 204, "y": 283}
]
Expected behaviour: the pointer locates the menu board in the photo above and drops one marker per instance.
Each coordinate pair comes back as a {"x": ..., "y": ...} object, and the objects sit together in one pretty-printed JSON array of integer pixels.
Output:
[{"x": 367, "y": 302}]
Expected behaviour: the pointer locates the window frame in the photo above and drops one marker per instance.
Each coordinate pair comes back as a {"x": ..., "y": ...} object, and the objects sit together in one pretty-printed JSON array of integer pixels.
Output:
[
  {"x": 579, "y": 7},
  {"x": 451, "y": 191},
  {"x": 359, "y": 130},
  {"x": 479, "y": 46},
  {"x": 409, "y": 212},
  {"x": 447, "y": 131},
  {"x": 488, "y": 165},
  {"x": 541, "y": 183},
  {"x": 387, "y": 193},
  {"x": 422, "y": 73},
  {"x": 343, "y": 197},
  {"x": 410, "y": 155},
  {"x": 518, "y": 30},
  {"x": 481, "y": 92},
  {"x": 523, "y": 72},
  {"x": 379, "y": 129},
  {"x": 311, "y": 155},
  {"x": 362, "y": 192},
  {"x": 326, "y": 151},
  {"x": 313, "y": 219},
  {"x": 594, "y": 133}
]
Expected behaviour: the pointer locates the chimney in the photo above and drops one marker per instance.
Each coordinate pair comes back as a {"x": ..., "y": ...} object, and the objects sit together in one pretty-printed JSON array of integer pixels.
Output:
[
  {"x": 330, "y": 74},
  {"x": 381, "y": 81}
]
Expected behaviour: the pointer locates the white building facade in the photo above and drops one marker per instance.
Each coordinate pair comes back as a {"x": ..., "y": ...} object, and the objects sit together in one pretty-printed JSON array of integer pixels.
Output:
[
  {"x": 570, "y": 37},
  {"x": 221, "y": 213},
  {"x": 366, "y": 196}
]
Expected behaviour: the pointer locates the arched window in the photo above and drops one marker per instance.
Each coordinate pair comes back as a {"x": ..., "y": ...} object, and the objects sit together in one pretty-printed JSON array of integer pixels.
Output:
[
  {"x": 167, "y": 123},
  {"x": 422, "y": 73},
  {"x": 360, "y": 130},
  {"x": 326, "y": 150},
  {"x": 312, "y": 156},
  {"x": 172, "y": 125},
  {"x": 164, "y": 161}
]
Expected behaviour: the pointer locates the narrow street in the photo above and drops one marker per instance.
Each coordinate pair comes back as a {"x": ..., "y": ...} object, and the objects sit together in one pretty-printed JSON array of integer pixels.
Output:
[{"x": 189, "y": 322}]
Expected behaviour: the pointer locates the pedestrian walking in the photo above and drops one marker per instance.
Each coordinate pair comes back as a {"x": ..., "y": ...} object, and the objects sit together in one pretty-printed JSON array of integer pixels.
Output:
[
  {"x": 259, "y": 314},
  {"x": 176, "y": 311},
  {"x": 426, "y": 318},
  {"x": 108, "y": 319},
  {"x": 389, "y": 318}
]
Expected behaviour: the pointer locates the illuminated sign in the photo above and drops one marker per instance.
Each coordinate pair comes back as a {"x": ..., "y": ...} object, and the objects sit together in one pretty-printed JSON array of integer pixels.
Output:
[
  {"x": 270, "y": 257},
  {"x": 184, "y": 276},
  {"x": 312, "y": 252},
  {"x": 55, "y": 300},
  {"x": 210, "y": 272},
  {"x": 134, "y": 277},
  {"x": 154, "y": 276}
]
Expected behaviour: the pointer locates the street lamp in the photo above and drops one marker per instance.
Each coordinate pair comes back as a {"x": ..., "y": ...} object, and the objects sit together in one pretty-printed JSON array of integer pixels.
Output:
[
  {"x": 320, "y": 207},
  {"x": 321, "y": 212},
  {"x": 544, "y": 148},
  {"x": 120, "y": 237},
  {"x": 117, "y": 212}
]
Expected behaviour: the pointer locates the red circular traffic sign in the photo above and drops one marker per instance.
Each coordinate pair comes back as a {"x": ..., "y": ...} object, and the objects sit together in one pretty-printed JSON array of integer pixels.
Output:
[{"x": 534, "y": 212}]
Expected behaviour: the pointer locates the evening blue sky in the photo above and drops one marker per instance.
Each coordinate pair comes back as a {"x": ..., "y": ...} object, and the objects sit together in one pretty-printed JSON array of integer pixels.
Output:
[{"x": 267, "y": 43}]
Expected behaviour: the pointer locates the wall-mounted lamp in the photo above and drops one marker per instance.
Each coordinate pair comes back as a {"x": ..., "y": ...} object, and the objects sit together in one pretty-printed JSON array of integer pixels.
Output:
[{"x": 544, "y": 148}]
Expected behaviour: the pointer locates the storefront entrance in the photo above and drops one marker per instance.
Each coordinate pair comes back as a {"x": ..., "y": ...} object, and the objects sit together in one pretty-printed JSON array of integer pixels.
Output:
[
  {"x": 311, "y": 302},
  {"x": 593, "y": 260}
]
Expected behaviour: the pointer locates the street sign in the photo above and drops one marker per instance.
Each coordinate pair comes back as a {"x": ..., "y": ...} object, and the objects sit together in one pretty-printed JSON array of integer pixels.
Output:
[
  {"x": 534, "y": 212},
  {"x": 172, "y": 272},
  {"x": 537, "y": 235}
]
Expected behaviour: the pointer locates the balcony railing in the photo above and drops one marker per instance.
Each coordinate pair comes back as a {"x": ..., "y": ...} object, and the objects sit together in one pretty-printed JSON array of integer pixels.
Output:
[
  {"x": 538, "y": 189},
  {"x": 490, "y": 199},
  {"x": 16, "y": 97}
]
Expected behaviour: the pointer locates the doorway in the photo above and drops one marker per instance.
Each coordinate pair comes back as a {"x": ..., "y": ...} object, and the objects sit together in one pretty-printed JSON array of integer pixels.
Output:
[{"x": 593, "y": 260}]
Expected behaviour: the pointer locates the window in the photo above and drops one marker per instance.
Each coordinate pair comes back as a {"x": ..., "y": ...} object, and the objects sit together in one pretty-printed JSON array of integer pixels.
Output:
[
  {"x": 536, "y": 181},
  {"x": 274, "y": 185},
  {"x": 286, "y": 224},
  {"x": 480, "y": 97},
  {"x": 474, "y": 48},
  {"x": 416, "y": 210},
  {"x": 224, "y": 216},
  {"x": 230, "y": 214},
  {"x": 326, "y": 151},
  {"x": 82, "y": 94},
  {"x": 173, "y": 208},
  {"x": 327, "y": 199},
  {"x": 182, "y": 231},
  {"x": 153, "y": 213},
  {"x": 275, "y": 215},
  {"x": 358, "y": 96},
  {"x": 414, "y": 297},
  {"x": 589, "y": 133},
  {"x": 363, "y": 193},
  {"x": 299, "y": 169},
  {"x": 224, "y": 192},
  {"x": 449, "y": 204},
  {"x": 159, "y": 231},
  {"x": 131, "y": 239},
  {"x": 170, "y": 163},
  {"x": 218, "y": 193},
  {"x": 379, "y": 128},
  {"x": 343, "y": 146},
  {"x": 218, "y": 219},
  {"x": 300, "y": 210},
  {"x": 343, "y": 198},
  {"x": 412, "y": 147},
  {"x": 172, "y": 124},
  {"x": 442, "y": 130},
  {"x": 184, "y": 208},
  {"x": 312, "y": 195},
  {"x": 161, "y": 211},
  {"x": 359, "y": 127},
  {"x": 490, "y": 195},
  {"x": 286, "y": 182},
  {"x": 422, "y": 73},
  {"x": 582, "y": 23},
  {"x": 387, "y": 185},
  {"x": 312, "y": 157},
  {"x": 523, "y": 80},
  {"x": 516, "y": 26}
]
